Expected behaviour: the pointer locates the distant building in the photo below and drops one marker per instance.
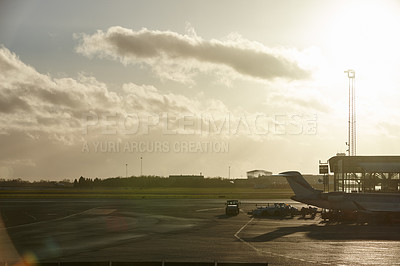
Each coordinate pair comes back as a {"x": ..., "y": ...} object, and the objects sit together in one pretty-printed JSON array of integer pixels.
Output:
[
  {"x": 187, "y": 177},
  {"x": 257, "y": 174}
]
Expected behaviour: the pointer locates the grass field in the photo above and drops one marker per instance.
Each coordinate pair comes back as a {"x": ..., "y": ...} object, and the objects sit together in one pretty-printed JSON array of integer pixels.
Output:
[{"x": 156, "y": 193}]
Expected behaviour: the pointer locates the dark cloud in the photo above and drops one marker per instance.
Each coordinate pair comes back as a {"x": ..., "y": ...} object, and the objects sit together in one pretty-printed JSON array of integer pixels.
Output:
[
  {"x": 149, "y": 99},
  {"x": 12, "y": 103},
  {"x": 59, "y": 98},
  {"x": 245, "y": 58}
]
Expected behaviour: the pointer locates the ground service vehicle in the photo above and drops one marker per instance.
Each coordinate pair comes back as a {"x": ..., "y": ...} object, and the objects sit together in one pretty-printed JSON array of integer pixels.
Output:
[
  {"x": 232, "y": 207},
  {"x": 275, "y": 209}
]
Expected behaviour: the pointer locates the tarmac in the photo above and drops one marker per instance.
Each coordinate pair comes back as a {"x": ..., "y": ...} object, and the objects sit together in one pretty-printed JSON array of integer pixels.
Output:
[{"x": 183, "y": 230}]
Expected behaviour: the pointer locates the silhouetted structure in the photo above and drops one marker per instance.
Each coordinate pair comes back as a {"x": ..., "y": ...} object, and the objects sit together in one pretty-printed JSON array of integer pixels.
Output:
[
  {"x": 365, "y": 173},
  {"x": 187, "y": 177},
  {"x": 352, "y": 136}
]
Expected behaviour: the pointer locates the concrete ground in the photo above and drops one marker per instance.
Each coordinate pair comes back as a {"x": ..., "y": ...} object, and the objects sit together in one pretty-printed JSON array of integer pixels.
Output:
[{"x": 182, "y": 230}]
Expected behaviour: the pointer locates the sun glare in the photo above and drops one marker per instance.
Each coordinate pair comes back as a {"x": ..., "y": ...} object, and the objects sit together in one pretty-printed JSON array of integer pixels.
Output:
[
  {"x": 365, "y": 32},
  {"x": 363, "y": 36}
]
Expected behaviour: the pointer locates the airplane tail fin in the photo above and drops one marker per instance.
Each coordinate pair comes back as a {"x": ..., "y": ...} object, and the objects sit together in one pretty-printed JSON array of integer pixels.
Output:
[{"x": 301, "y": 188}]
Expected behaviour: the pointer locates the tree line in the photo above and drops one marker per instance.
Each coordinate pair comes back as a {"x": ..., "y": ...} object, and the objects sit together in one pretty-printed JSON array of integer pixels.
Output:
[
  {"x": 147, "y": 182},
  {"x": 156, "y": 181}
]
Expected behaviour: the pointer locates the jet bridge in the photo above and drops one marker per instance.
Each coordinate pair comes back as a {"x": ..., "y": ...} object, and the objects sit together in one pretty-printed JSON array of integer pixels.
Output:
[{"x": 365, "y": 173}]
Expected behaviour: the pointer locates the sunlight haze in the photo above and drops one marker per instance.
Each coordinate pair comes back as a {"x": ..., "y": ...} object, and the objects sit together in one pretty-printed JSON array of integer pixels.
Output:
[{"x": 192, "y": 87}]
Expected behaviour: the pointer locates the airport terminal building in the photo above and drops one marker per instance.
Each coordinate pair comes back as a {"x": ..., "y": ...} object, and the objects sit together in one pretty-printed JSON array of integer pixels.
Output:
[{"x": 365, "y": 173}]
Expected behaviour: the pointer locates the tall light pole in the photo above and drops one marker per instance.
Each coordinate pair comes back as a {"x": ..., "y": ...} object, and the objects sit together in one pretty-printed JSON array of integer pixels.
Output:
[
  {"x": 351, "y": 144},
  {"x": 229, "y": 172},
  {"x": 126, "y": 170},
  {"x": 141, "y": 166}
]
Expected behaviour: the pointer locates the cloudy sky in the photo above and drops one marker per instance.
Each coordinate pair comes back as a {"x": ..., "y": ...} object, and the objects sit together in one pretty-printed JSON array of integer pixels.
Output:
[{"x": 90, "y": 87}]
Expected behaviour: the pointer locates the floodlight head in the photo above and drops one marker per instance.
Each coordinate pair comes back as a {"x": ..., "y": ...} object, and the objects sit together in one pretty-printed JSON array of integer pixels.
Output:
[{"x": 350, "y": 73}]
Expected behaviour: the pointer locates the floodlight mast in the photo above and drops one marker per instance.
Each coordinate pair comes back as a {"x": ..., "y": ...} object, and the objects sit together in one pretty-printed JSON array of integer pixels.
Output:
[{"x": 351, "y": 144}]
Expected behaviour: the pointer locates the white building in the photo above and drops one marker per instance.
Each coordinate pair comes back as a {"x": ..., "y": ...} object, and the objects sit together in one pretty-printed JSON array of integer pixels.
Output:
[{"x": 258, "y": 174}]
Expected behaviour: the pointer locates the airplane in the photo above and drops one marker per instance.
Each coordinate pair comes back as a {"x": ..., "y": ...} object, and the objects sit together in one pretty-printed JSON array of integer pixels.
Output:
[{"x": 365, "y": 203}]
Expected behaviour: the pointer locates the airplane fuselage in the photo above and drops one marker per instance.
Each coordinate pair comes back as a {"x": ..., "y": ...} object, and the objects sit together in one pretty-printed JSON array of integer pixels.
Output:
[
  {"x": 363, "y": 202},
  {"x": 373, "y": 202}
]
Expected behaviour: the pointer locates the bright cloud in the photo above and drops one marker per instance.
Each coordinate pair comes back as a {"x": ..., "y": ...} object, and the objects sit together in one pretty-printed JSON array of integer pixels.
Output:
[
  {"x": 30, "y": 100},
  {"x": 33, "y": 101}
]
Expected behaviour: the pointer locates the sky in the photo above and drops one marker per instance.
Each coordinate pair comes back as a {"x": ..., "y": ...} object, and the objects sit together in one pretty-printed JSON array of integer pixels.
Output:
[{"x": 115, "y": 88}]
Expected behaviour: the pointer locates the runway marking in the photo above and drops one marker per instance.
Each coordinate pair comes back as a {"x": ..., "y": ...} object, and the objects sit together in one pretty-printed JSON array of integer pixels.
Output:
[
  {"x": 99, "y": 211},
  {"x": 51, "y": 220},
  {"x": 244, "y": 241},
  {"x": 33, "y": 217},
  {"x": 211, "y": 209},
  {"x": 260, "y": 251},
  {"x": 236, "y": 235}
]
